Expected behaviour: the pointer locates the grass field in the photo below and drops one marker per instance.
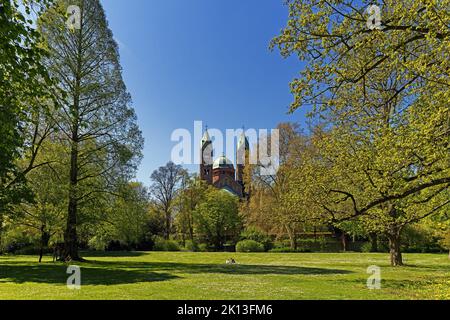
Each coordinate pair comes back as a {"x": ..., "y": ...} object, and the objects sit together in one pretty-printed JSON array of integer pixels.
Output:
[{"x": 181, "y": 275}]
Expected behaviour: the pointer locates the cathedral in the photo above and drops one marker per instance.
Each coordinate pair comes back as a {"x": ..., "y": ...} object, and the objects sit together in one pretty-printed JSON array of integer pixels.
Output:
[{"x": 221, "y": 172}]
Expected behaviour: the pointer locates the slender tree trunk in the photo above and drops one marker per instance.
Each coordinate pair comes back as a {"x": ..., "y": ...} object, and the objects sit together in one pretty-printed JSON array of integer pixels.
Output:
[
  {"x": 70, "y": 236},
  {"x": 219, "y": 243},
  {"x": 292, "y": 238},
  {"x": 191, "y": 233},
  {"x": 45, "y": 238},
  {"x": 167, "y": 225},
  {"x": 1, "y": 229},
  {"x": 344, "y": 241},
  {"x": 373, "y": 242},
  {"x": 394, "y": 250},
  {"x": 191, "y": 226}
]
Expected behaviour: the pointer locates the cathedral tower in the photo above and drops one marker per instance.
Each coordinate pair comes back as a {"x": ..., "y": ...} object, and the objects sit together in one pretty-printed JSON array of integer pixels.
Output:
[
  {"x": 242, "y": 154},
  {"x": 206, "y": 158}
]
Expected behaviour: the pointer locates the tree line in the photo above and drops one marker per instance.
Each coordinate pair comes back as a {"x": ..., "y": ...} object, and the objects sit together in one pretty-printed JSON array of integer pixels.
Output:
[
  {"x": 71, "y": 134},
  {"x": 373, "y": 160}
]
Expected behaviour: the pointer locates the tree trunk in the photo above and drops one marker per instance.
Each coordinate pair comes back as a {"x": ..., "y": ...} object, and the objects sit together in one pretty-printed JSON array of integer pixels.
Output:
[
  {"x": 45, "y": 238},
  {"x": 373, "y": 242},
  {"x": 191, "y": 233},
  {"x": 219, "y": 244},
  {"x": 344, "y": 241},
  {"x": 292, "y": 238},
  {"x": 167, "y": 225},
  {"x": 394, "y": 250},
  {"x": 1, "y": 229},
  {"x": 70, "y": 236}
]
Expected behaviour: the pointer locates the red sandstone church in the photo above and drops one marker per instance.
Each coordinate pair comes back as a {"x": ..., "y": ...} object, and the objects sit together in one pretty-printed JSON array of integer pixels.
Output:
[{"x": 221, "y": 173}]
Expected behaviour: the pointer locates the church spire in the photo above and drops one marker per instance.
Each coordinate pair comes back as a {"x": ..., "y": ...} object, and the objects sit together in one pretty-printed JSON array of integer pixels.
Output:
[{"x": 206, "y": 138}]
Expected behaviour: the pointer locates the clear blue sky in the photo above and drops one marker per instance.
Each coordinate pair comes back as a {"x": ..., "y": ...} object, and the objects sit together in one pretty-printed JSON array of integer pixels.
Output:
[{"x": 187, "y": 60}]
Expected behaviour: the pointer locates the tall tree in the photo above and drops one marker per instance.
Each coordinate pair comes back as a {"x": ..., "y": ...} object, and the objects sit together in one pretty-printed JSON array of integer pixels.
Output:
[
  {"x": 191, "y": 194},
  {"x": 166, "y": 184},
  {"x": 23, "y": 80},
  {"x": 129, "y": 214},
  {"x": 217, "y": 218},
  {"x": 44, "y": 213},
  {"x": 383, "y": 93},
  {"x": 97, "y": 123}
]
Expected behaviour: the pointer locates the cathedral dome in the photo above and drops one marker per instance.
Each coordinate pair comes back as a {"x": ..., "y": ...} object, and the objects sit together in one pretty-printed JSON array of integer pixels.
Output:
[{"x": 223, "y": 162}]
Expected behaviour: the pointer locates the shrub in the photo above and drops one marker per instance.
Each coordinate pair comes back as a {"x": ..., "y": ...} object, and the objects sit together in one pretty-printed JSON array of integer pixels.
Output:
[
  {"x": 203, "y": 247},
  {"x": 172, "y": 245},
  {"x": 162, "y": 244},
  {"x": 366, "y": 247},
  {"x": 191, "y": 246},
  {"x": 249, "y": 246},
  {"x": 97, "y": 243},
  {"x": 253, "y": 233},
  {"x": 282, "y": 250}
]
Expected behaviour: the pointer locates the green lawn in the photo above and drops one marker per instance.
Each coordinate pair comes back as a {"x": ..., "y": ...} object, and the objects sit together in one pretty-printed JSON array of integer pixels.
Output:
[{"x": 165, "y": 275}]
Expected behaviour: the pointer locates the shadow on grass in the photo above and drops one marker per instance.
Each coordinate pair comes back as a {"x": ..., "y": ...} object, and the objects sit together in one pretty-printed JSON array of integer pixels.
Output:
[
  {"x": 237, "y": 269},
  {"x": 113, "y": 253},
  {"x": 56, "y": 273}
]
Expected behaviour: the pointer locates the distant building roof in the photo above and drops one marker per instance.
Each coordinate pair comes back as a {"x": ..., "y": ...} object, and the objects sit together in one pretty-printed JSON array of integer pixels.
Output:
[{"x": 223, "y": 162}]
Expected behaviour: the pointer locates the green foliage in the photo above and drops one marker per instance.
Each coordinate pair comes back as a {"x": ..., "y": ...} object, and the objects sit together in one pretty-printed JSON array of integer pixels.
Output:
[
  {"x": 203, "y": 247},
  {"x": 283, "y": 250},
  {"x": 191, "y": 194},
  {"x": 98, "y": 243},
  {"x": 420, "y": 239},
  {"x": 305, "y": 245},
  {"x": 161, "y": 244},
  {"x": 249, "y": 246},
  {"x": 217, "y": 218},
  {"x": 366, "y": 247},
  {"x": 98, "y": 123},
  {"x": 191, "y": 246},
  {"x": 253, "y": 233},
  {"x": 380, "y": 153},
  {"x": 128, "y": 214},
  {"x": 23, "y": 88}
]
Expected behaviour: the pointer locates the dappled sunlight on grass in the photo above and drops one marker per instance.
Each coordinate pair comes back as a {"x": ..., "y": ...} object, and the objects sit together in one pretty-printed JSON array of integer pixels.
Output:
[{"x": 185, "y": 275}]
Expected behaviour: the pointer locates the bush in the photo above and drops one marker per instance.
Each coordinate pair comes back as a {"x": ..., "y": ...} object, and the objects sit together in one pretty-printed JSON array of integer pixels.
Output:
[
  {"x": 97, "y": 243},
  {"x": 366, "y": 247},
  {"x": 191, "y": 246},
  {"x": 15, "y": 240},
  {"x": 162, "y": 244},
  {"x": 172, "y": 245},
  {"x": 203, "y": 247},
  {"x": 253, "y": 233},
  {"x": 418, "y": 239},
  {"x": 249, "y": 246},
  {"x": 282, "y": 250}
]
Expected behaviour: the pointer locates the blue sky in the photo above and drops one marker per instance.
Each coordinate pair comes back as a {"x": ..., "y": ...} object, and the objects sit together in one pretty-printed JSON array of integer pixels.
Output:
[{"x": 208, "y": 60}]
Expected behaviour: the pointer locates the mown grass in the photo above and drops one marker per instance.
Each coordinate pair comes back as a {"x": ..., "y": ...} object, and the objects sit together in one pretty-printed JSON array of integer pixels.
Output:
[{"x": 182, "y": 275}]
